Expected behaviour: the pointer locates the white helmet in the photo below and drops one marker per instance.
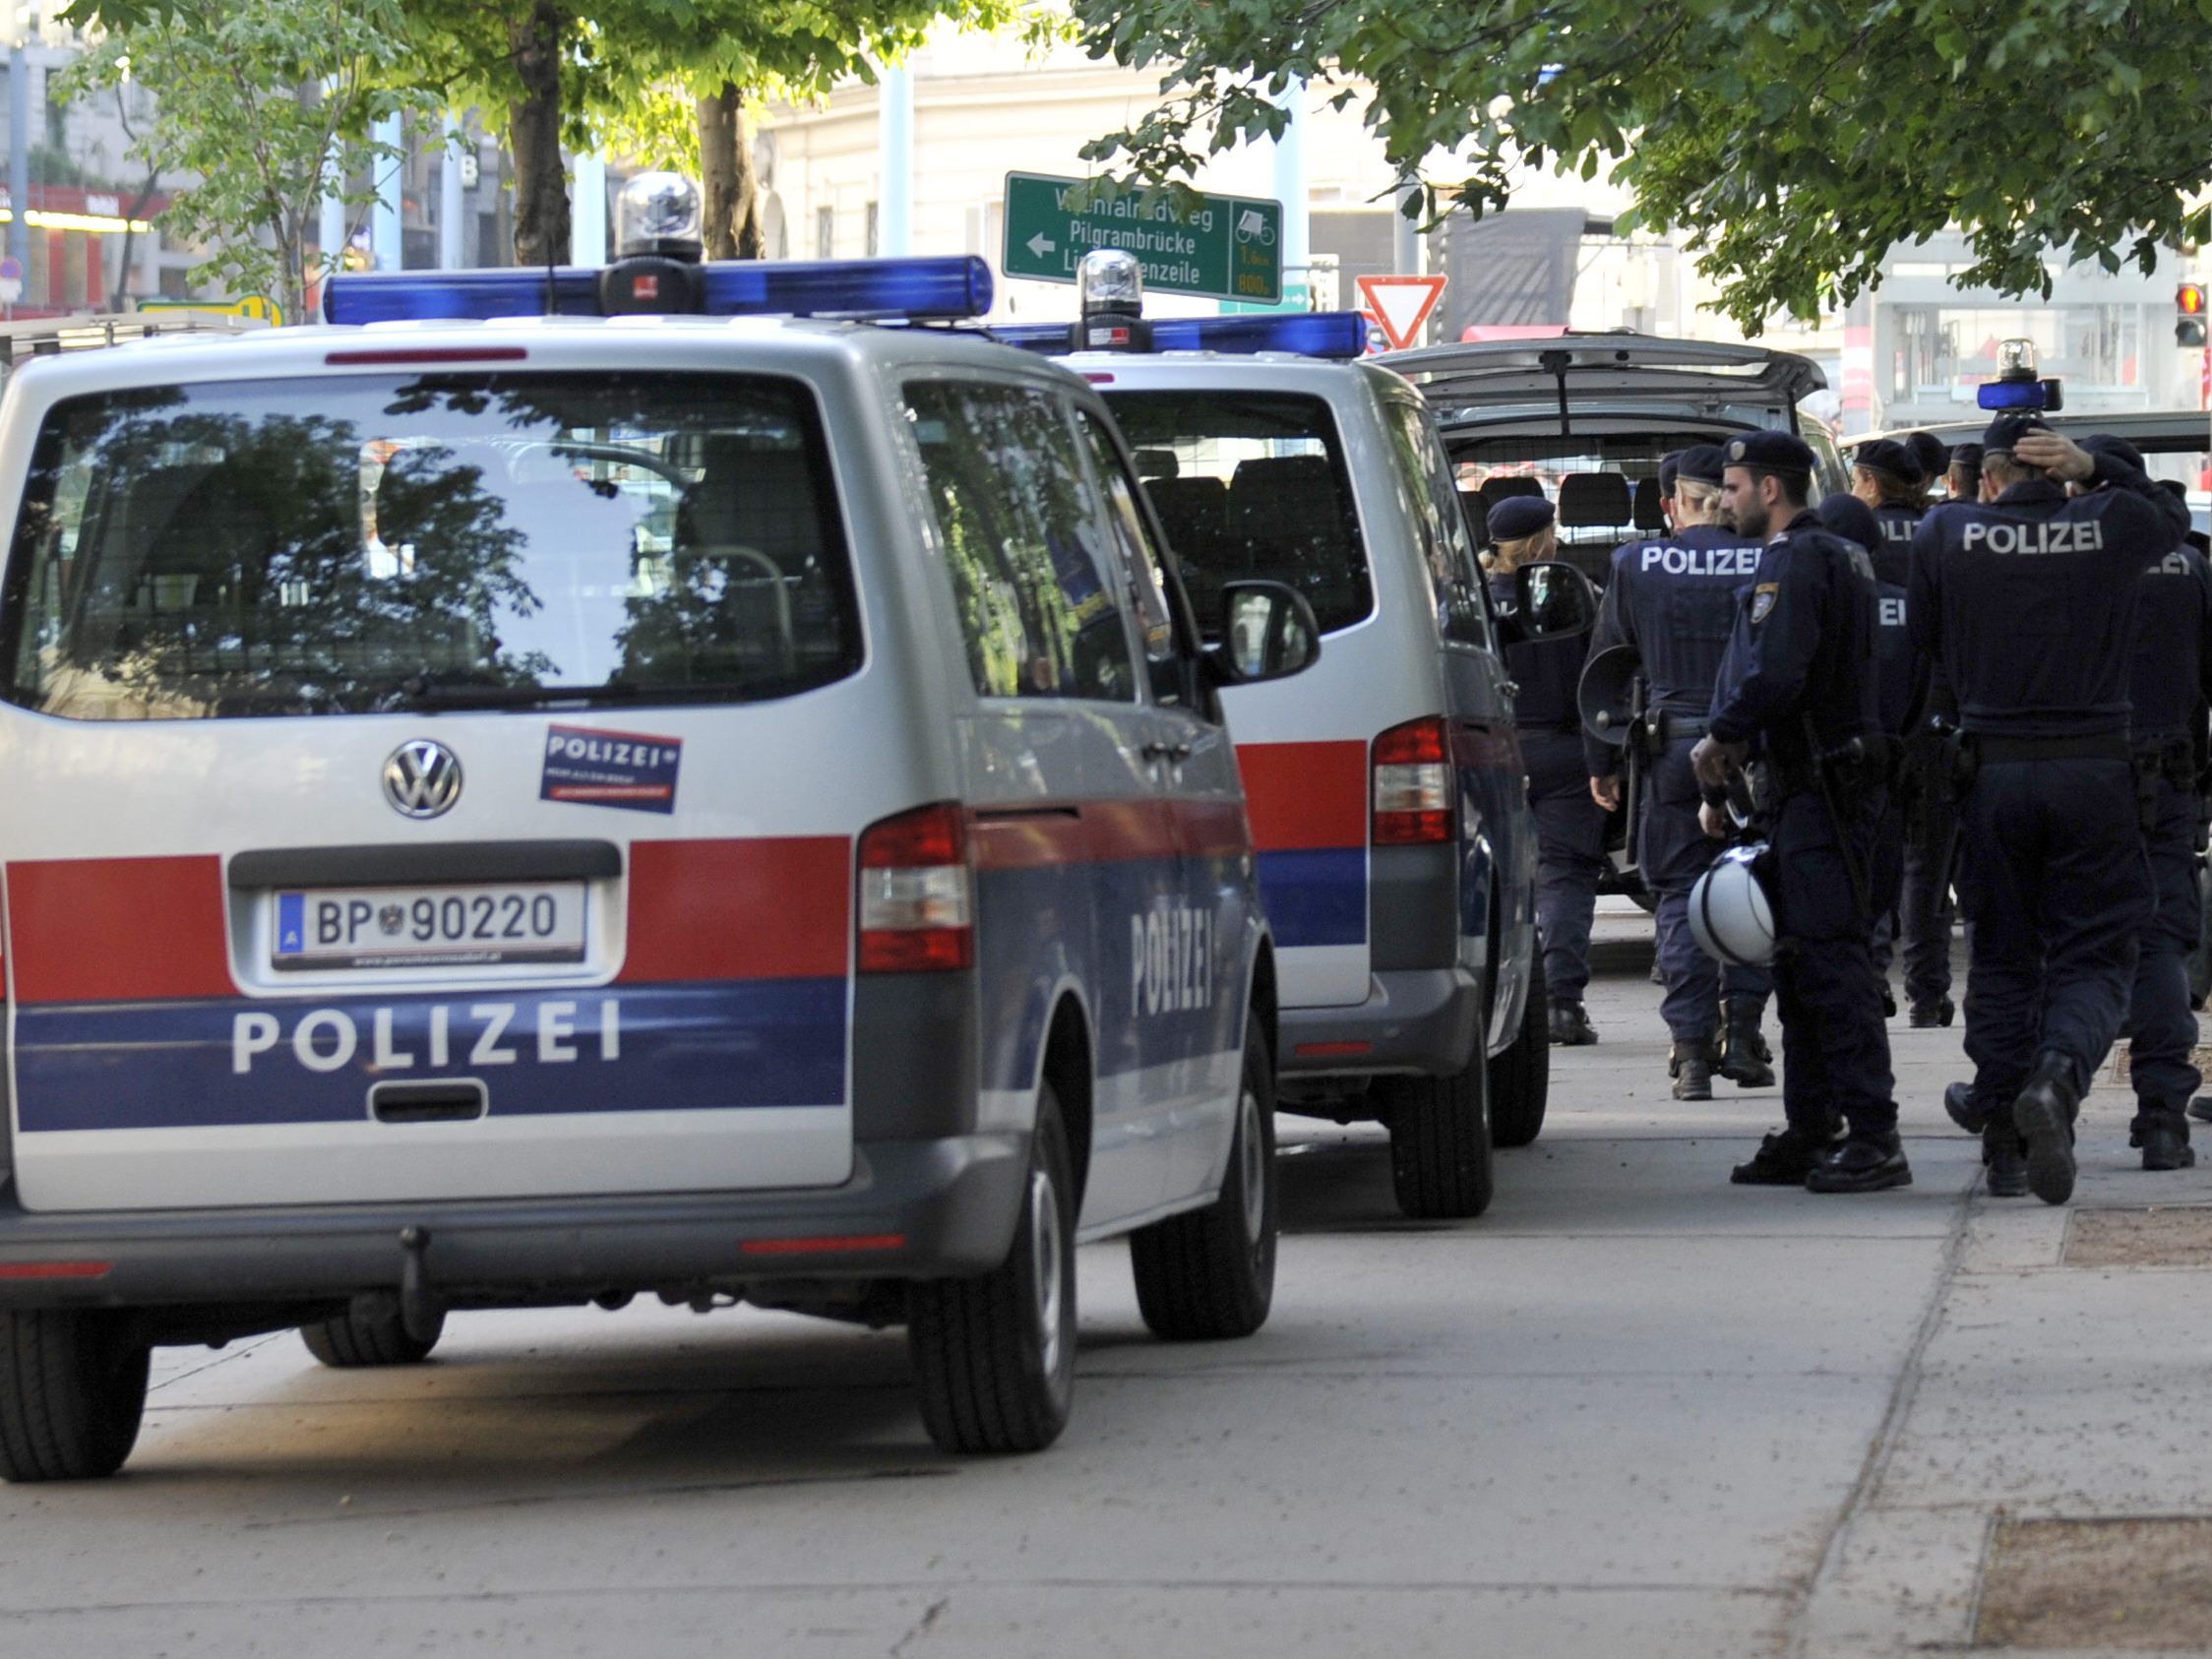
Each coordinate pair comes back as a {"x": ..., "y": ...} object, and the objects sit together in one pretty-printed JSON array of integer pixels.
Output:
[{"x": 1730, "y": 915}]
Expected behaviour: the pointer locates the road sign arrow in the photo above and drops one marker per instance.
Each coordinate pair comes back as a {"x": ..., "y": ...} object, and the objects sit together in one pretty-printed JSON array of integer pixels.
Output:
[
  {"x": 1041, "y": 244},
  {"x": 1402, "y": 304}
]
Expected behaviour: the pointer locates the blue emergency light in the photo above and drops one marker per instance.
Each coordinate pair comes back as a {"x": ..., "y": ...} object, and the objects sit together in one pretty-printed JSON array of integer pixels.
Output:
[
  {"x": 948, "y": 288},
  {"x": 1309, "y": 333}
]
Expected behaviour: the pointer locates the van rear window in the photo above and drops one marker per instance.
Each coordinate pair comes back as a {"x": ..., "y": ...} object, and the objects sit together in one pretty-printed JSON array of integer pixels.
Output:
[
  {"x": 370, "y": 544},
  {"x": 1251, "y": 486}
]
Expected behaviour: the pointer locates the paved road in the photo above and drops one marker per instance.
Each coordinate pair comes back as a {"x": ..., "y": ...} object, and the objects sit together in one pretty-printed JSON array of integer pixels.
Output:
[{"x": 1631, "y": 1412}]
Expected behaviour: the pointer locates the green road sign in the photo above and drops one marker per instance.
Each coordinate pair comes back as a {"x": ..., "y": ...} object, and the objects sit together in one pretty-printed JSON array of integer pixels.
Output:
[{"x": 1229, "y": 247}]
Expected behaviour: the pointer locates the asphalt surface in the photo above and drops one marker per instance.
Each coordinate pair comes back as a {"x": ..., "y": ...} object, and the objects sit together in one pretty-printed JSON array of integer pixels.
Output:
[{"x": 1631, "y": 1411}]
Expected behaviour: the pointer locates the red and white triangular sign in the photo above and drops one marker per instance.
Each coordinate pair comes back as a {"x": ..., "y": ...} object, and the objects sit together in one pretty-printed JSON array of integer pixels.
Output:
[{"x": 1402, "y": 304}]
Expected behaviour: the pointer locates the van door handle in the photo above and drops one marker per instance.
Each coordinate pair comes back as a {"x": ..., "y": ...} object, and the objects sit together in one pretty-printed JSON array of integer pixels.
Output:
[{"x": 1157, "y": 751}]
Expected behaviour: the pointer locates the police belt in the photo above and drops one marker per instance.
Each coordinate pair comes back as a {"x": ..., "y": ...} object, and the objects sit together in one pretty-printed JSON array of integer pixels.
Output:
[
  {"x": 1990, "y": 751},
  {"x": 1667, "y": 726}
]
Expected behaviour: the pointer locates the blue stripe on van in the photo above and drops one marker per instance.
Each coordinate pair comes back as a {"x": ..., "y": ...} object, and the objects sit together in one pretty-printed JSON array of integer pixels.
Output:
[
  {"x": 1316, "y": 895},
  {"x": 181, "y": 1065}
]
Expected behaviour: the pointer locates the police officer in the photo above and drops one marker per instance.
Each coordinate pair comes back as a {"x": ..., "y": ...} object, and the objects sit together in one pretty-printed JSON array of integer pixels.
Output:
[
  {"x": 1888, "y": 475},
  {"x": 2170, "y": 681},
  {"x": 2026, "y": 601},
  {"x": 1933, "y": 457},
  {"x": 1963, "y": 480},
  {"x": 1800, "y": 693},
  {"x": 1673, "y": 599},
  {"x": 1569, "y": 825}
]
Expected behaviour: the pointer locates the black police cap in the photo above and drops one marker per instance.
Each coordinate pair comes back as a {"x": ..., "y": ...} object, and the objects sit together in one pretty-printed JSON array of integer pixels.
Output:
[
  {"x": 1667, "y": 465},
  {"x": 1770, "y": 451},
  {"x": 1968, "y": 456},
  {"x": 1851, "y": 518},
  {"x": 2120, "y": 449},
  {"x": 1886, "y": 455},
  {"x": 1935, "y": 458},
  {"x": 1702, "y": 463},
  {"x": 1520, "y": 515},
  {"x": 1998, "y": 437}
]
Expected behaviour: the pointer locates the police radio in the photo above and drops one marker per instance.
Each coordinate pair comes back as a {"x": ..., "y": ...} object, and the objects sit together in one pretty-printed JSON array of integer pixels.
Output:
[{"x": 2016, "y": 388}]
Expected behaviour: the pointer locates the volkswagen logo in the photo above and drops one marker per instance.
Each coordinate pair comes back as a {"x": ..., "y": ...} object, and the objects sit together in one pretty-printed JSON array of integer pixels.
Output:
[{"x": 422, "y": 779}]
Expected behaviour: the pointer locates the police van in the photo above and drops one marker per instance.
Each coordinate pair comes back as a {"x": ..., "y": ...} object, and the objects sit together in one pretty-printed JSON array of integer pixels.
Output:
[
  {"x": 524, "y": 810},
  {"x": 1396, "y": 847}
]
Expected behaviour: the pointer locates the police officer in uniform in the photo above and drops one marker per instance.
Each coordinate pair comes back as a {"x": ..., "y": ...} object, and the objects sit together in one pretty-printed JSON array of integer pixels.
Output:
[
  {"x": 1799, "y": 691},
  {"x": 1963, "y": 480},
  {"x": 1673, "y": 599},
  {"x": 2027, "y": 602},
  {"x": 1569, "y": 825},
  {"x": 2170, "y": 682}
]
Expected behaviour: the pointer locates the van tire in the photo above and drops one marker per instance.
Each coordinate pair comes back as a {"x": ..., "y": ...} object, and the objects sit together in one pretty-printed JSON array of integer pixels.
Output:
[
  {"x": 1520, "y": 1078},
  {"x": 1440, "y": 1141},
  {"x": 994, "y": 1355},
  {"x": 72, "y": 1393},
  {"x": 370, "y": 1333},
  {"x": 1211, "y": 1273}
]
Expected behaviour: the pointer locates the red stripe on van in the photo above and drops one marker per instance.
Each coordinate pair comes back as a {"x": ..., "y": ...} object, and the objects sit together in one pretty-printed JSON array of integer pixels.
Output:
[
  {"x": 1303, "y": 795},
  {"x": 1213, "y": 829},
  {"x": 771, "y": 908},
  {"x": 90, "y": 930}
]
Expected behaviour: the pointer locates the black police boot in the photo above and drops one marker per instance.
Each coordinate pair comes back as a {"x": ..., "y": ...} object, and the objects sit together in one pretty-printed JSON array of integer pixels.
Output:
[
  {"x": 1745, "y": 1058},
  {"x": 2004, "y": 1161},
  {"x": 1783, "y": 1160},
  {"x": 1965, "y": 1110},
  {"x": 2163, "y": 1133},
  {"x": 1927, "y": 1016},
  {"x": 1570, "y": 1025},
  {"x": 2044, "y": 1114},
  {"x": 2201, "y": 1108},
  {"x": 1861, "y": 1163},
  {"x": 1690, "y": 1064}
]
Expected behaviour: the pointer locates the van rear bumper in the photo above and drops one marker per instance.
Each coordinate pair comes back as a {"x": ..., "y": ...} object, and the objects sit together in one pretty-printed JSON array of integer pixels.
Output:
[
  {"x": 1423, "y": 1021},
  {"x": 931, "y": 1209}
]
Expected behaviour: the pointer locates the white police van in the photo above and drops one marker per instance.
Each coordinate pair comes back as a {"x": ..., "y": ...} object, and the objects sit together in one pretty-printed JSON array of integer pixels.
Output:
[
  {"x": 527, "y": 810},
  {"x": 1389, "y": 800}
]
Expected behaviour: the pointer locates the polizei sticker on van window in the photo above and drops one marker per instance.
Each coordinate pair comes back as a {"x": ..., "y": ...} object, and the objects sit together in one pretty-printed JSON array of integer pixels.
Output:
[{"x": 610, "y": 769}]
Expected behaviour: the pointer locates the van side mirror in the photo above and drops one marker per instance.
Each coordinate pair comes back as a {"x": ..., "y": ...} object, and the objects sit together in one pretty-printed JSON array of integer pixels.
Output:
[
  {"x": 1266, "y": 632},
  {"x": 1552, "y": 600}
]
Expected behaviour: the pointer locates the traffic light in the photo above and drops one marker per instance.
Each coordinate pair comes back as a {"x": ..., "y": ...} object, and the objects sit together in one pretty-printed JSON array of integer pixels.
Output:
[{"x": 2188, "y": 315}]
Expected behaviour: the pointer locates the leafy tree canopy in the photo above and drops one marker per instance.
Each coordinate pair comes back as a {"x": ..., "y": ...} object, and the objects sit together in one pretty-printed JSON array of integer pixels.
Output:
[{"x": 1794, "y": 141}]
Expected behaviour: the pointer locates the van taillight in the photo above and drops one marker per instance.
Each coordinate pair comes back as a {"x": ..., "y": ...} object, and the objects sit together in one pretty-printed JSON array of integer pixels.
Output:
[
  {"x": 917, "y": 893},
  {"x": 1413, "y": 784}
]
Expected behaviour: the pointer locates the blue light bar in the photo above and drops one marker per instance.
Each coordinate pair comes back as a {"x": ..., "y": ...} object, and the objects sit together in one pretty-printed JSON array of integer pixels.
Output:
[
  {"x": 946, "y": 288},
  {"x": 1310, "y": 334}
]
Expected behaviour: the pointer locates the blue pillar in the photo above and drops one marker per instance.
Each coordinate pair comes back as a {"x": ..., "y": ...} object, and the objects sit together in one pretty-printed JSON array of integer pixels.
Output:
[
  {"x": 588, "y": 211},
  {"x": 1290, "y": 183},
  {"x": 386, "y": 238},
  {"x": 18, "y": 152},
  {"x": 895, "y": 149},
  {"x": 450, "y": 207}
]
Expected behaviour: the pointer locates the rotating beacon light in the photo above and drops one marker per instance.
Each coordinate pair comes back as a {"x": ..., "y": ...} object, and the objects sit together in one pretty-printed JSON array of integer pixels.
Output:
[
  {"x": 1110, "y": 294},
  {"x": 656, "y": 221},
  {"x": 2016, "y": 388}
]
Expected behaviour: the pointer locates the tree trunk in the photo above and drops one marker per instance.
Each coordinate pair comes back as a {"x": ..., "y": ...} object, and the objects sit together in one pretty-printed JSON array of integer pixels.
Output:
[
  {"x": 533, "y": 135},
  {"x": 733, "y": 205}
]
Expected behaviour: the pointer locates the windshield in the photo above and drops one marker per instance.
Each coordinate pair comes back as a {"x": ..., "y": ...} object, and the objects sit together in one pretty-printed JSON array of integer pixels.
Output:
[
  {"x": 362, "y": 544},
  {"x": 1251, "y": 486}
]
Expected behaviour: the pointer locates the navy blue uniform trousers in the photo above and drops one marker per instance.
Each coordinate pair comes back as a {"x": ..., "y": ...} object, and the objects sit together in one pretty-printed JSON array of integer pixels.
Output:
[
  {"x": 1835, "y": 1047},
  {"x": 2161, "y": 1030},
  {"x": 1916, "y": 923},
  {"x": 1569, "y": 857},
  {"x": 1675, "y": 853},
  {"x": 2056, "y": 894}
]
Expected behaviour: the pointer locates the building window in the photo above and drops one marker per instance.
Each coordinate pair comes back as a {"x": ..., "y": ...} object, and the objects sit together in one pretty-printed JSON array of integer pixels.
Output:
[
  {"x": 872, "y": 222},
  {"x": 825, "y": 233}
]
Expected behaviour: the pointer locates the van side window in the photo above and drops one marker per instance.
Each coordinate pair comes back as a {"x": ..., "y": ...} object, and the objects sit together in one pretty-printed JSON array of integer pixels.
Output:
[
  {"x": 1140, "y": 565},
  {"x": 1019, "y": 531},
  {"x": 1440, "y": 525}
]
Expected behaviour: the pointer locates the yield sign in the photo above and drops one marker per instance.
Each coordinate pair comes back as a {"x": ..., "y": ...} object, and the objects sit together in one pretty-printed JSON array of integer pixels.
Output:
[{"x": 1402, "y": 304}]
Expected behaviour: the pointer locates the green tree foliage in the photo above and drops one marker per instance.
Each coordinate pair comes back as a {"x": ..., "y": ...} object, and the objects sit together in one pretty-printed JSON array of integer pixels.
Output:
[
  {"x": 251, "y": 99},
  {"x": 1794, "y": 141}
]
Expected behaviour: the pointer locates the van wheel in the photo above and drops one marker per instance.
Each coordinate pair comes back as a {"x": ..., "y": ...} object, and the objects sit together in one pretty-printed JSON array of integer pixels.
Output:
[
  {"x": 1440, "y": 1141},
  {"x": 1211, "y": 1273},
  {"x": 72, "y": 1393},
  {"x": 1520, "y": 1078},
  {"x": 994, "y": 1355},
  {"x": 369, "y": 1333}
]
